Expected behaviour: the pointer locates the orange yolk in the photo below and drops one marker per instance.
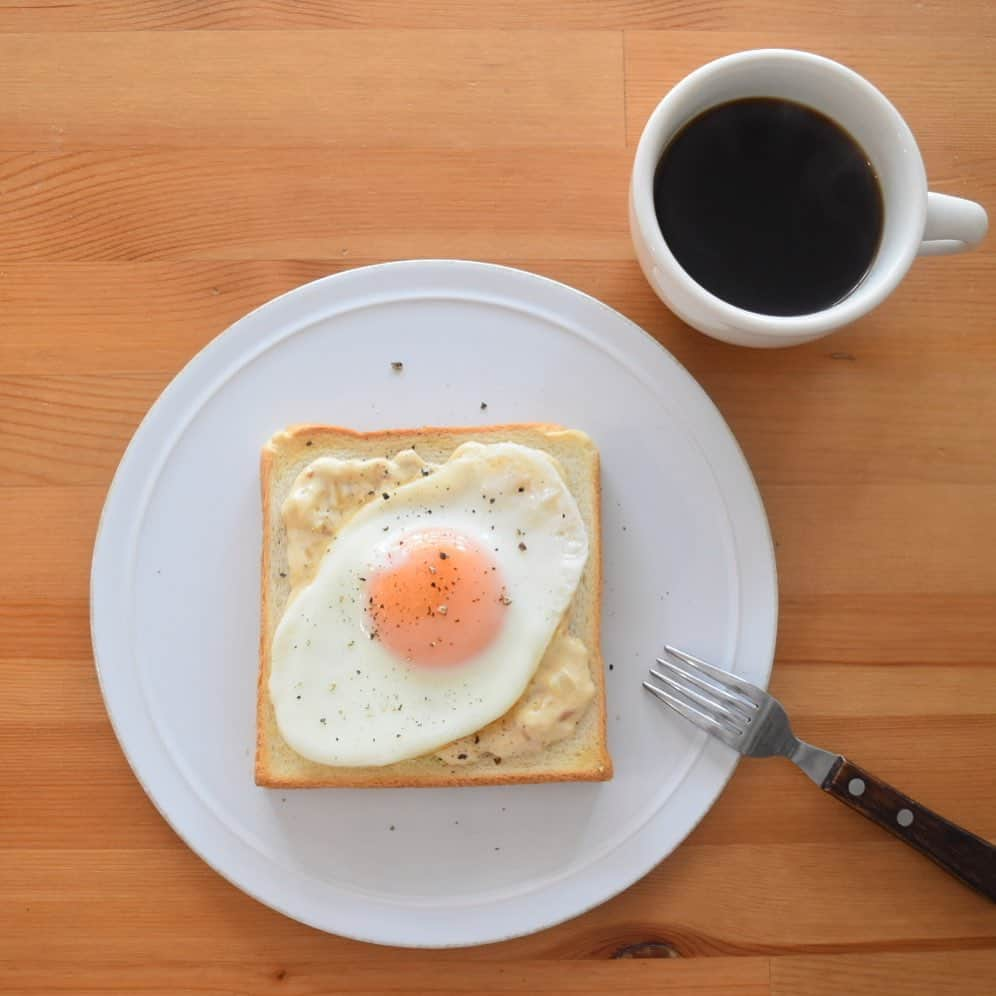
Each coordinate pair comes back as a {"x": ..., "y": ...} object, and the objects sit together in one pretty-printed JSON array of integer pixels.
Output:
[{"x": 440, "y": 599}]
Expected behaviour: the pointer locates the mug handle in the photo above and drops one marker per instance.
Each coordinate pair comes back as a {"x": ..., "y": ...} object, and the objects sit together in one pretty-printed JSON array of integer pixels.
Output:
[{"x": 953, "y": 225}]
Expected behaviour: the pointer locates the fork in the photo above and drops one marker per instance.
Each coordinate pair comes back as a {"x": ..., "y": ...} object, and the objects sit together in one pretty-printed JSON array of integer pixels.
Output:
[{"x": 755, "y": 724}]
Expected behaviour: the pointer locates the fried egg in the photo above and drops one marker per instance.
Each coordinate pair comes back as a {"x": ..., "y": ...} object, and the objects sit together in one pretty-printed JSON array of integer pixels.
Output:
[{"x": 430, "y": 611}]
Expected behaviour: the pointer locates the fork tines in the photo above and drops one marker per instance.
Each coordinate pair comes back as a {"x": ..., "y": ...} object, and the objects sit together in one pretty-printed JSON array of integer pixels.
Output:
[{"x": 713, "y": 699}]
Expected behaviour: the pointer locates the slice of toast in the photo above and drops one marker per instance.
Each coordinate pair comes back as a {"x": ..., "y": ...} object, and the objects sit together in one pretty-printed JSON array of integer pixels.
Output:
[{"x": 583, "y": 756}]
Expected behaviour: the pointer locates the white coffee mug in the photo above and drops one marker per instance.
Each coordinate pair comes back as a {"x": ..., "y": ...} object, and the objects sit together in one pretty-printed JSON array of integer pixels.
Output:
[{"x": 916, "y": 222}]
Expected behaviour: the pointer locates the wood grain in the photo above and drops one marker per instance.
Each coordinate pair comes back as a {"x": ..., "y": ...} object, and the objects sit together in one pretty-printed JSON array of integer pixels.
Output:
[
  {"x": 940, "y": 973},
  {"x": 238, "y": 204},
  {"x": 168, "y": 165},
  {"x": 320, "y": 88},
  {"x": 886, "y": 17}
]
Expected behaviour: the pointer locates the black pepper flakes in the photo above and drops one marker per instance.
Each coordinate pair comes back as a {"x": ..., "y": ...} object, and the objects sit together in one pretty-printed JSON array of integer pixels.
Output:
[
  {"x": 397, "y": 366},
  {"x": 484, "y": 406},
  {"x": 522, "y": 547},
  {"x": 283, "y": 574},
  {"x": 443, "y": 555},
  {"x": 497, "y": 760},
  {"x": 461, "y": 757},
  {"x": 385, "y": 496},
  {"x": 308, "y": 443}
]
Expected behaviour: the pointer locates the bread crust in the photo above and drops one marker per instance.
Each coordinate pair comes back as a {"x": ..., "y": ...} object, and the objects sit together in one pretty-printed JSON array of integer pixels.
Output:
[{"x": 277, "y": 766}]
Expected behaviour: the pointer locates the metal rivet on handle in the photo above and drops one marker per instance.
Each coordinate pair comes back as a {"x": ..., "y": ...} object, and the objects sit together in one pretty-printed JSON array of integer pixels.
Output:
[
  {"x": 856, "y": 786},
  {"x": 904, "y": 817}
]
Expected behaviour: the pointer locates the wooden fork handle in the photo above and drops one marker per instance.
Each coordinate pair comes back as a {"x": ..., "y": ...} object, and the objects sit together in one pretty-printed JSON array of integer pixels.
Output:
[{"x": 956, "y": 850}]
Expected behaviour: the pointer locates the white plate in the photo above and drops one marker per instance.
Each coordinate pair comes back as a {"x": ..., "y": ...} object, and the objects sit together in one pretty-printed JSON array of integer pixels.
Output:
[{"x": 175, "y": 589}]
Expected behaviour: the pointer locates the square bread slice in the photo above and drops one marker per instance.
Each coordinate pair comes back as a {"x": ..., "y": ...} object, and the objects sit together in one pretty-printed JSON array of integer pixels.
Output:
[{"x": 582, "y": 756}]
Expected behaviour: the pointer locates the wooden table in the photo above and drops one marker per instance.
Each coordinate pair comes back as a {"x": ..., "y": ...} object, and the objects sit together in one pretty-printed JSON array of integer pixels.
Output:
[{"x": 167, "y": 165}]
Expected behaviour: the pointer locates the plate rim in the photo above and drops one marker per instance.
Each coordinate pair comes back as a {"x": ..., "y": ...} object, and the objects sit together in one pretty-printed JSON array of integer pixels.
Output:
[{"x": 711, "y": 753}]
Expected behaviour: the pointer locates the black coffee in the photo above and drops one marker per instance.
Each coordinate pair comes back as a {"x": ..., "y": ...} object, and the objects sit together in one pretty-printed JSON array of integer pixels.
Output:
[{"x": 769, "y": 205}]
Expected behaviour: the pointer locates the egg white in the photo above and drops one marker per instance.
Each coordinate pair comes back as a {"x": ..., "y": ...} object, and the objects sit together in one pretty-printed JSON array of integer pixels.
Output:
[{"x": 341, "y": 698}]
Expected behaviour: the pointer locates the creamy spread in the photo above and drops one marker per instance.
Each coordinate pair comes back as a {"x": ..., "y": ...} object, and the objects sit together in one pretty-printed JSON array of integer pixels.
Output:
[
  {"x": 327, "y": 493},
  {"x": 548, "y": 711}
]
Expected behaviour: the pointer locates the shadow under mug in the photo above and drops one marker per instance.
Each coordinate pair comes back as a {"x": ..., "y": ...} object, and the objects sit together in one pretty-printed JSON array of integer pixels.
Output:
[{"x": 916, "y": 221}]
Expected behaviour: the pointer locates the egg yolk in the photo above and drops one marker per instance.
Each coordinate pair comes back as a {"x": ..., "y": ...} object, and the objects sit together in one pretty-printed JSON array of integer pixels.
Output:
[{"x": 439, "y": 600}]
